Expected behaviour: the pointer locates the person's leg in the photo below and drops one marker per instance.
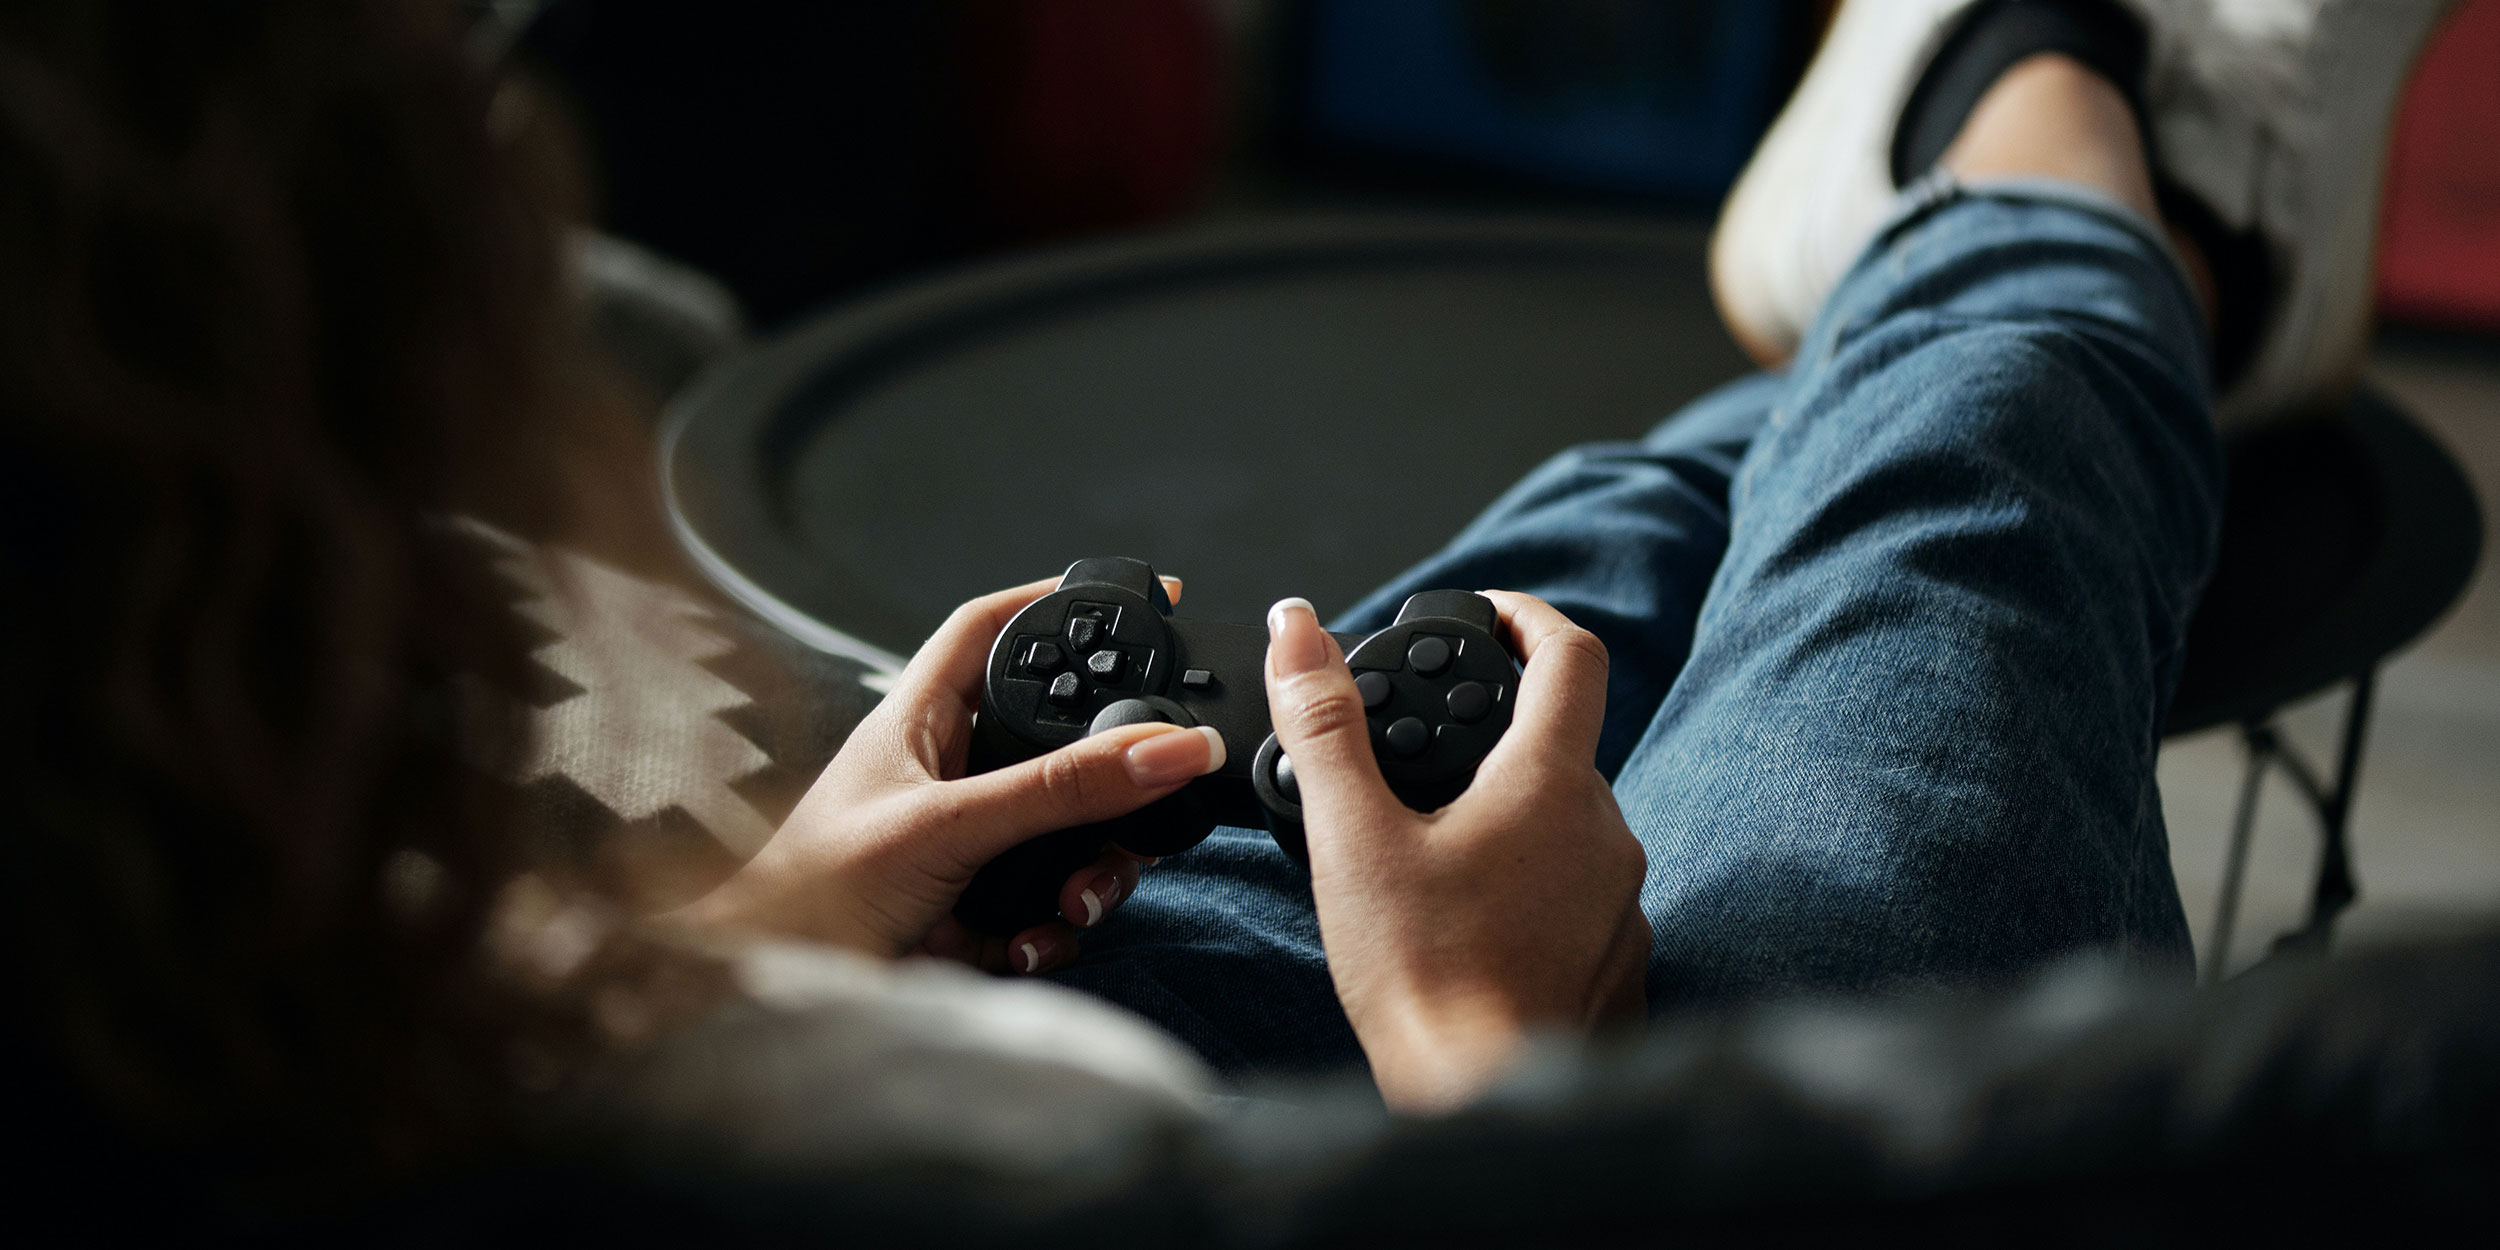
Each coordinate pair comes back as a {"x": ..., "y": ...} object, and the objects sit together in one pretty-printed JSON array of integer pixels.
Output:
[
  {"x": 1623, "y": 537},
  {"x": 1914, "y": 741},
  {"x": 1221, "y": 947},
  {"x": 1913, "y": 738}
]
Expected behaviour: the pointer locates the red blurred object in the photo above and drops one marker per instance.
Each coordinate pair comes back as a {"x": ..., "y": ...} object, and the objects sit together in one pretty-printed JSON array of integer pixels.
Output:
[
  {"x": 1095, "y": 115},
  {"x": 2439, "y": 241}
]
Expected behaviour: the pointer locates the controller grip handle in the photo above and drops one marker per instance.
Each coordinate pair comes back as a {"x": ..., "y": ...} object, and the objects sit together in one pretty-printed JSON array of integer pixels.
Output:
[{"x": 1020, "y": 888}]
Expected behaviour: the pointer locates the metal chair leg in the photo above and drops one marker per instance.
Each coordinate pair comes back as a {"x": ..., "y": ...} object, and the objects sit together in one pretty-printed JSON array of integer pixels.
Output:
[
  {"x": 2261, "y": 744},
  {"x": 2334, "y": 890}
]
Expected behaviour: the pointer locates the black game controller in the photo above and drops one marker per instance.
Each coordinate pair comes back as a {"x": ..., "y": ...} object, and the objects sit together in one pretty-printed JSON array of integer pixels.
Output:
[{"x": 1104, "y": 650}]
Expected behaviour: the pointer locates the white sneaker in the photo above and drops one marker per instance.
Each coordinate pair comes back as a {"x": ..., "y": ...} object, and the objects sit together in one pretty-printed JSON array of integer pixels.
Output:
[
  {"x": 2275, "y": 113},
  {"x": 1821, "y": 181}
]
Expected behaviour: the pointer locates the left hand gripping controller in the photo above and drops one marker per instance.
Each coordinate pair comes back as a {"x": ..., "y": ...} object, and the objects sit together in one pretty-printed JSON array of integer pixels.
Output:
[{"x": 1104, "y": 650}]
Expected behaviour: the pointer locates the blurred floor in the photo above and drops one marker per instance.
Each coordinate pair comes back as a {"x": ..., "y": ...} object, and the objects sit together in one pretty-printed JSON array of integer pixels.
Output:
[{"x": 2426, "y": 825}]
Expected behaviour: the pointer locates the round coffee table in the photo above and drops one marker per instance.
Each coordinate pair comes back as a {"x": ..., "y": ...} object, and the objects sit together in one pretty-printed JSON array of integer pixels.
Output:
[{"x": 1297, "y": 406}]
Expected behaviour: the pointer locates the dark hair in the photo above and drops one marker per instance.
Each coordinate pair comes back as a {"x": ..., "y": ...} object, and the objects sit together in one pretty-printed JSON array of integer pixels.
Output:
[{"x": 281, "y": 292}]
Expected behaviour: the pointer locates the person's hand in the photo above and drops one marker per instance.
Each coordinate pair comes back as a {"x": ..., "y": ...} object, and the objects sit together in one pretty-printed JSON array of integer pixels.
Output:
[
  {"x": 875, "y": 855},
  {"x": 1451, "y": 935}
]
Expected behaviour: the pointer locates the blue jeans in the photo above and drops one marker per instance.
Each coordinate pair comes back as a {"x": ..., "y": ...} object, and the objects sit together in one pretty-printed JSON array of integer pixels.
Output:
[{"x": 1892, "y": 636}]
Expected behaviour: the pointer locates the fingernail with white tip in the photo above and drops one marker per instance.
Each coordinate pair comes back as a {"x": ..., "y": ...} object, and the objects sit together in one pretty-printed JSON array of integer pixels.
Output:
[
  {"x": 1294, "y": 641},
  {"x": 1277, "y": 610},
  {"x": 1100, "y": 895},
  {"x": 1170, "y": 758},
  {"x": 1043, "y": 950}
]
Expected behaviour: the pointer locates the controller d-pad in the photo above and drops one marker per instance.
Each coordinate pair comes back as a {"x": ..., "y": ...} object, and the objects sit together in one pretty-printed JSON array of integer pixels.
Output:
[
  {"x": 1429, "y": 655},
  {"x": 1408, "y": 737},
  {"x": 1374, "y": 687},
  {"x": 1107, "y": 665},
  {"x": 1090, "y": 625},
  {"x": 1066, "y": 690},
  {"x": 1043, "y": 658}
]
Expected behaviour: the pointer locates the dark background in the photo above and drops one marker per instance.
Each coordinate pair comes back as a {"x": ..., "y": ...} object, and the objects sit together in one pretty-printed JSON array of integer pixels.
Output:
[
  {"x": 801, "y": 152},
  {"x": 804, "y": 151}
]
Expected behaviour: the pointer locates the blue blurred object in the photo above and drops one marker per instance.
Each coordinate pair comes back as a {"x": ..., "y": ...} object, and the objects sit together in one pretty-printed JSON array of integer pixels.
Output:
[{"x": 1653, "y": 97}]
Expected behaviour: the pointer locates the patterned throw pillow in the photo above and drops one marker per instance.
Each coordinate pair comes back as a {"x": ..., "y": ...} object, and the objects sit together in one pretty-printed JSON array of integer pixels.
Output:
[{"x": 666, "y": 734}]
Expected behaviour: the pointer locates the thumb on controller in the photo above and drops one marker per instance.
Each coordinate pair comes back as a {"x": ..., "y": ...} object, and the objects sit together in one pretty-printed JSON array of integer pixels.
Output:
[
  {"x": 1087, "y": 781},
  {"x": 1320, "y": 724}
]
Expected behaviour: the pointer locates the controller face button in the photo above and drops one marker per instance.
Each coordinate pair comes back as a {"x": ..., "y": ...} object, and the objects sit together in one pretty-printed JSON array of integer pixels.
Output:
[
  {"x": 1408, "y": 737},
  {"x": 1197, "y": 679},
  {"x": 1066, "y": 690},
  {"x": 1083, "y": 631},
  {"x": 1286, "y": 783},
  {"x": 1374, "y": 687},
  {"x": 1107, "y": 665},
  {"x": 1043, "y": 658},
  {"x": 1428, "y": 655},
  {"x": 1469, "y": 701}
]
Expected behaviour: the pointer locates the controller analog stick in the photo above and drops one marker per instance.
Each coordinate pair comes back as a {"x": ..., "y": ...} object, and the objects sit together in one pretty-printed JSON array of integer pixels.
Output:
[
  {"x": 1285, "y": 782},
  {"x": 1148, "y": 710}
]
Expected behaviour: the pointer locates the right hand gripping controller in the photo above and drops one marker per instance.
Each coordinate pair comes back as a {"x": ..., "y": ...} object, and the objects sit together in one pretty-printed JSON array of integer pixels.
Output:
[{"x": 1104, "y": 649}]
